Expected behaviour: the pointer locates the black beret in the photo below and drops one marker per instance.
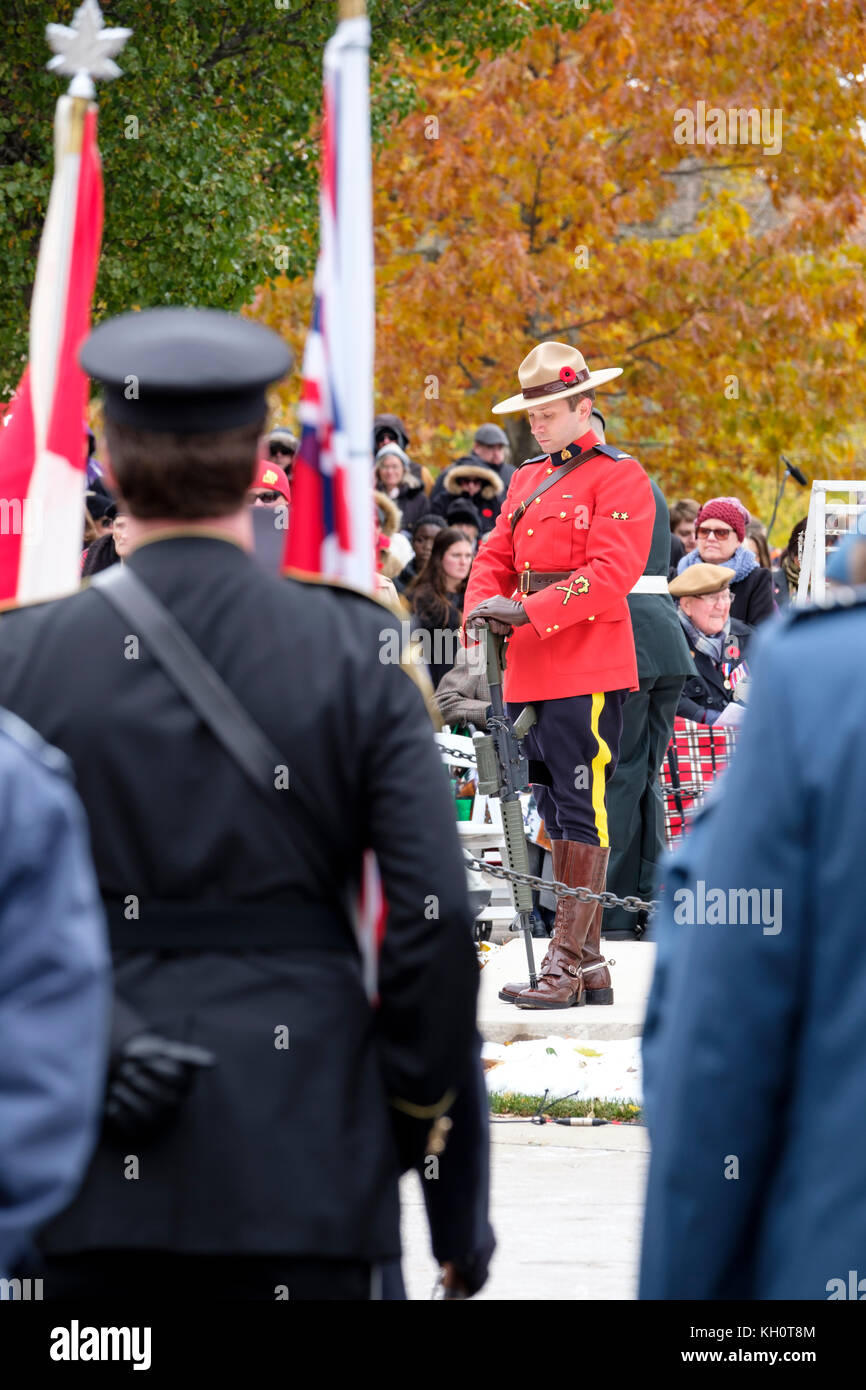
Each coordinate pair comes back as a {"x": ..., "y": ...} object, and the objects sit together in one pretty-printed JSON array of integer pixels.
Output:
[{"x": 189, "y": 371}]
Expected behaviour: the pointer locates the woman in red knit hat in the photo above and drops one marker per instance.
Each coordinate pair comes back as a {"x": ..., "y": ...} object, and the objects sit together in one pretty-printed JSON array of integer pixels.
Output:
[{"x": 720, "y": 528}]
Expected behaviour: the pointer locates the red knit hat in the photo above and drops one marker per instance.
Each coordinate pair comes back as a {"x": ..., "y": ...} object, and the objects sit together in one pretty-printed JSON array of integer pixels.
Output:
[
  {"x": 726, "y": 509},
  {"x": 271, "y": 476}
]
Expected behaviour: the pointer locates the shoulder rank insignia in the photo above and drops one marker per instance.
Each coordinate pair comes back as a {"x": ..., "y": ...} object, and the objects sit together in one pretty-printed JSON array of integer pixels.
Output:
[
  {"x": 574, "y": 586},
  {"x": 620, "y": 516},
  {"x": 611, "y": 452}
]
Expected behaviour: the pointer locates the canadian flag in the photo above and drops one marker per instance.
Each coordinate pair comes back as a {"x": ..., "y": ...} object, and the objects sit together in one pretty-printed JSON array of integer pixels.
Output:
[{"x": 42, "y": 436}]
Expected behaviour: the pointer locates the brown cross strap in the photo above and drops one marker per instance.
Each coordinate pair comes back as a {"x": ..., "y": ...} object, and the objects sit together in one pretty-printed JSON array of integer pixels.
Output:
[{"x": 555, "y": 477}]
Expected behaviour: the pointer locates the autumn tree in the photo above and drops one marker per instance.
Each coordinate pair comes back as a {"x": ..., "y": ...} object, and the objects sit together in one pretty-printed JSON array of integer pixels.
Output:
[
  {"x": 209, "y": 139},
  {"x": 558, "y": 192}
]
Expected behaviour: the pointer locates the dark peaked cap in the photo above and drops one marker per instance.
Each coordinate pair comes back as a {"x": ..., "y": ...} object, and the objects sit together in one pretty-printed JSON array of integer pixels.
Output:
[{"x": 184, "y": 370}]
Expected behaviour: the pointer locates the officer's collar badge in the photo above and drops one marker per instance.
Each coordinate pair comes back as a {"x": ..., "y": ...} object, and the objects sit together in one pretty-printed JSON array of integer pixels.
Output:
[{"x": 571, "y": 451}]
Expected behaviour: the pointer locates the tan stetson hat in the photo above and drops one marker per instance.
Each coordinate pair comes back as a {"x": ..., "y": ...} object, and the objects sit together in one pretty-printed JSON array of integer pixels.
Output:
[
  {"x": 700, "y": 579},
  {"x": 553, "y": 370}
]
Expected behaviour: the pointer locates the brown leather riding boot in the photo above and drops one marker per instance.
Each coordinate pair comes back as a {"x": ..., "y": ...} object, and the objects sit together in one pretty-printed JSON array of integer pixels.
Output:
[
  {"x": 593, "y": 966},
  {"x": 560, "y": 984},
  {"x": 510, "y": 991}
]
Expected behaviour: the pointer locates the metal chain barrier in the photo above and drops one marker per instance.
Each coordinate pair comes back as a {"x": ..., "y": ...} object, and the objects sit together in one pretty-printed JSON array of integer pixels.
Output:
[
  {"x": 457, "y": 755},
  {"x": 585, "y": 895}
]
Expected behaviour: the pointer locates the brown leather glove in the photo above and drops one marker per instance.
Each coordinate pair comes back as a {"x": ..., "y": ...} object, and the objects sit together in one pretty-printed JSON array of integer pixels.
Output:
[{"x": 499, "y": 614}]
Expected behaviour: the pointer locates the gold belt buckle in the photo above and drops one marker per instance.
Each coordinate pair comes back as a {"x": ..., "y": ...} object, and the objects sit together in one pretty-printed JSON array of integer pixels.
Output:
[{"x": 525, "y": 576}]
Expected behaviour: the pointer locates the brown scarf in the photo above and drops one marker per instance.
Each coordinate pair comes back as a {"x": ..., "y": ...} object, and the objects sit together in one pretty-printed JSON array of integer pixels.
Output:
[{"x": 791, "y": 567}]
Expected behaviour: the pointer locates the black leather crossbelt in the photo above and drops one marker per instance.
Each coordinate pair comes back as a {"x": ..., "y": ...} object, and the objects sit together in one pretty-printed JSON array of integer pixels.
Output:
[{"x": 289, "y": 919}]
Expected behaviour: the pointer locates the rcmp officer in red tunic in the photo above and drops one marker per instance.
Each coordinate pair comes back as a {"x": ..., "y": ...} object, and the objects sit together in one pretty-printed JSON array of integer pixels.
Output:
[{"x": 572, "y": 538}]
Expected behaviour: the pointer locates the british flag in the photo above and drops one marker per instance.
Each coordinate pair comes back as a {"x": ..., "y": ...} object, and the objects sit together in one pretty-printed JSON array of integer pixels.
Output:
[{"x": 331, "y": 531}]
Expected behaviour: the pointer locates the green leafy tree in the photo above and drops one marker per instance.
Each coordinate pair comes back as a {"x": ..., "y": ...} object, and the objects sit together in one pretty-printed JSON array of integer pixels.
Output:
[{"x": 210, "y": 138}]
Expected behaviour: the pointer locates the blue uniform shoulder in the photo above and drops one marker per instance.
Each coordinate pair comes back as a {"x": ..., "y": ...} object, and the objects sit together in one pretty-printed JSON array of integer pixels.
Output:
[
  {"x": 842, "y": 600},
  {"x": 26, "y": 740},
  {"x": 539, "y": 458},
  {"x": 611, "y": 452}
]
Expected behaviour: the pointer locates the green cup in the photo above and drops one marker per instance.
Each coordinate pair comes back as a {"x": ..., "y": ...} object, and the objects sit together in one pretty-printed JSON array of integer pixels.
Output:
[{"x": 464, "y": 808}]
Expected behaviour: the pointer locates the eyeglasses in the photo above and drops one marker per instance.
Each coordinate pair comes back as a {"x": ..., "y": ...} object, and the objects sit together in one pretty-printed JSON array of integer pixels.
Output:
[
  {"x": 267, "y": 497},
  {"x": 720, "y": 596},
  {"x": 283, "y": 449},
  {"x": 721, "y": 531}
]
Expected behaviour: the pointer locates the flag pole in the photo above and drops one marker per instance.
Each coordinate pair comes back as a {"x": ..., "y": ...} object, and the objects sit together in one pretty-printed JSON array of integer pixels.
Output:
[
  {"x": 42, "y": 457},
  {"x": 355, "y": 258}
]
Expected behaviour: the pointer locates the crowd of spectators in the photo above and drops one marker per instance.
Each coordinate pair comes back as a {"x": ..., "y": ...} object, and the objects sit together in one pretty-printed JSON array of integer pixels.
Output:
[{"x": 723, "y": 575}]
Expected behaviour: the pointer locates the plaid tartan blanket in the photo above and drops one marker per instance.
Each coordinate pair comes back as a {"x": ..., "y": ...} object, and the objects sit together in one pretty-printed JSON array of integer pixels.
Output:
[{"x": 696, "y": 754}]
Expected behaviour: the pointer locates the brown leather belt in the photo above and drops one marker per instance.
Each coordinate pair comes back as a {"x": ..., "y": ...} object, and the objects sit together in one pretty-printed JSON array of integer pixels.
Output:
[{"x": 531, "y": 581}]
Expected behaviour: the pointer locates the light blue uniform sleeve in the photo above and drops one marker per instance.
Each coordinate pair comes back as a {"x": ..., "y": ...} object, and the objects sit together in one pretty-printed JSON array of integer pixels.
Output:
[
  {"x": 723, "y": 1006},
  {"x": 55, "y": 972}
]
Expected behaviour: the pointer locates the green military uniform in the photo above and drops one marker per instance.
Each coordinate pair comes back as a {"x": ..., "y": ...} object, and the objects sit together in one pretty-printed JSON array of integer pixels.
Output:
[{"x": 635, "y": 809}]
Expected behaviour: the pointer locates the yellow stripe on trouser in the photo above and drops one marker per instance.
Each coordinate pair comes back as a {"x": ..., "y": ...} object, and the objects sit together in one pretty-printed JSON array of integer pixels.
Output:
[{"x": 599, "y": 763}]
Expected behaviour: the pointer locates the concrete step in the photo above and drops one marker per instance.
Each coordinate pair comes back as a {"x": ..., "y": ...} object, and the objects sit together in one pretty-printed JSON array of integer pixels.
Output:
[{"x": 631, "y": 977}]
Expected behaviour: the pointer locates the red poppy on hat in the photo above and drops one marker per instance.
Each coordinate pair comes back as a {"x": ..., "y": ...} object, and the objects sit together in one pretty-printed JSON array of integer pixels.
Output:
[{"x": 568, "y": 375}]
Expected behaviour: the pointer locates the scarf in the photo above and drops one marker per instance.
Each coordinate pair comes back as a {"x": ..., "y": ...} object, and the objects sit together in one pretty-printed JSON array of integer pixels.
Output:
[
  {"x": 710, "y": 646},
  {"x": 791, "y": 568},
  {"x": 742, "y": 562}
]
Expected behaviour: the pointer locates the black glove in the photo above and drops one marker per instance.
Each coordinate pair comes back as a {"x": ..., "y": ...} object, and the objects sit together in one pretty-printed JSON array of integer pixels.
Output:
[{"x": 150, "y": 1077}]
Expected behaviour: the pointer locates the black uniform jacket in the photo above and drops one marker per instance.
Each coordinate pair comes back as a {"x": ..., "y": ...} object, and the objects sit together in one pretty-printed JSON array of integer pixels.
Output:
[
  {"x": 705, "y": 688},
  {"x": 278, "y": 1148},
  {"x": 753, "y": 597}
]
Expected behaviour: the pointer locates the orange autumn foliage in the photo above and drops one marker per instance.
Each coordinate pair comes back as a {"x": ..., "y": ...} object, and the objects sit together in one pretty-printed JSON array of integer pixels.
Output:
[{"x": 548, "y": 195}]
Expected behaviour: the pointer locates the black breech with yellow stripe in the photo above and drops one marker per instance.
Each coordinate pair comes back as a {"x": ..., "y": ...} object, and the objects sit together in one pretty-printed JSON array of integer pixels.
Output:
[{"x": 573, "y": 749}]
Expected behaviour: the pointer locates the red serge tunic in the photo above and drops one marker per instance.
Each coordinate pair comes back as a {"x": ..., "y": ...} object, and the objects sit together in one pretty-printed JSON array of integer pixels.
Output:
[{"x": 596, "y": 524}]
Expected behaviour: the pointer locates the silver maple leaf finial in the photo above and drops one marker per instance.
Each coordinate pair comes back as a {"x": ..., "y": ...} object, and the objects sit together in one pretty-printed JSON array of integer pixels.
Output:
[{"x": 85, "y": 50}]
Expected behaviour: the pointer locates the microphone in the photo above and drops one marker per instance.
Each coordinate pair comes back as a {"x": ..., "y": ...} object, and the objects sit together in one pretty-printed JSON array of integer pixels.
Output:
[{"x": 796, "y": 474}]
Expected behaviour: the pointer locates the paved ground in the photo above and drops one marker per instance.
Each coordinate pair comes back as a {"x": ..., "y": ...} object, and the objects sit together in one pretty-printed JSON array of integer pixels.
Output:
[
  {"x": 631, "y": 976},
  {"x": 566, "y": 1203},
  {"x": 566, "y": 1208}
]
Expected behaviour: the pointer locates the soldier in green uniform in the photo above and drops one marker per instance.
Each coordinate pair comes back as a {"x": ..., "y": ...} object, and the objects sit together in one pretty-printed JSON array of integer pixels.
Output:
[{"x": 635, "y": 806}]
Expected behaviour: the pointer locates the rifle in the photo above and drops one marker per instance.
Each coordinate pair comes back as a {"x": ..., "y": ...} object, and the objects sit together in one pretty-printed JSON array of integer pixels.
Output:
[{"x": 503, "y": 771}]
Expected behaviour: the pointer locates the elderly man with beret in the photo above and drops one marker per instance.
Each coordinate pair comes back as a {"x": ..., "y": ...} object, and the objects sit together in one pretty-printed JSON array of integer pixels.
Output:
[{"x": 717, "y": 646}]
